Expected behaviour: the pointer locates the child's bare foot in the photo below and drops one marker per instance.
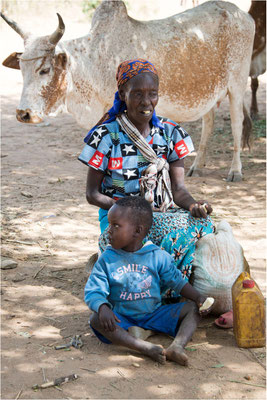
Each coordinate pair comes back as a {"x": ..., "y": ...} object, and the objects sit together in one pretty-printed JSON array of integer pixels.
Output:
[
  {"x": 176, "y": 353},
  {"x": 155, "y": 351}
]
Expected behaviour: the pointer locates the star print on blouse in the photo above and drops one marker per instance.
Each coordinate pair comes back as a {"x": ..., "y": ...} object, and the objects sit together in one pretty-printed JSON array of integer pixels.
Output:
[
  {"x": 128, "y": 150},
  {"x": 130, "y": 173}
]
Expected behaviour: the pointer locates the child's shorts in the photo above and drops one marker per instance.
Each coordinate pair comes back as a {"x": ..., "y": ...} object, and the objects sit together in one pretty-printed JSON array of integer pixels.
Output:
[{"x": 164, "y": 319}]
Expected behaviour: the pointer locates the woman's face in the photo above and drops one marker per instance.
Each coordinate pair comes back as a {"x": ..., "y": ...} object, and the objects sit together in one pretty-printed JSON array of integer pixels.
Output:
[{"x": 141, "y": 97}]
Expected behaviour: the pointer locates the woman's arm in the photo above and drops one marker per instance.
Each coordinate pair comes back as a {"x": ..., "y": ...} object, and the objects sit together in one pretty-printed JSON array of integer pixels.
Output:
[
  {"x": 93, "y": 190},
  {"x": 181, "y": 196}
]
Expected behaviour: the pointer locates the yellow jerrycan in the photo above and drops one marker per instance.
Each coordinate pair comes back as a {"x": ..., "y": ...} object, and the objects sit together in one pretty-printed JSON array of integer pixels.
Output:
[{"x": 248, "y": 312}]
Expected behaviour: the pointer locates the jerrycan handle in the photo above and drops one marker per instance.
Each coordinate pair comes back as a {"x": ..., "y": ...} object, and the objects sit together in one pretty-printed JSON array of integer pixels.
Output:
[{"x": 242, "y": 277}]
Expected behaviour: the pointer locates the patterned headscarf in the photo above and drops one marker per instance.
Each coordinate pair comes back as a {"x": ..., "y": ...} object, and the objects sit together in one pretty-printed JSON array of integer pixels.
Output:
[{"x": 126, "y": 70}]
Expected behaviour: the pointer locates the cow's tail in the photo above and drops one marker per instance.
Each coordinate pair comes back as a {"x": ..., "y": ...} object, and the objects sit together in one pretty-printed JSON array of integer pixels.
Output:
[{"x": 247, "y": 129}]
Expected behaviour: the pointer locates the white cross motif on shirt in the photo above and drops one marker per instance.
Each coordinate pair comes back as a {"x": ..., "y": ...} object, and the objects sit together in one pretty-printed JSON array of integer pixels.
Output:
[
  {"x": 130, "y": 173},
  {"x": 128, "y": 149}
]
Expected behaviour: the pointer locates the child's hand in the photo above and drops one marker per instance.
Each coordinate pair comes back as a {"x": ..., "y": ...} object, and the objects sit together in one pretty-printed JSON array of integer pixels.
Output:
[
  {"x": 107, "y": 318},
  {"x": 200, "y": 301}
]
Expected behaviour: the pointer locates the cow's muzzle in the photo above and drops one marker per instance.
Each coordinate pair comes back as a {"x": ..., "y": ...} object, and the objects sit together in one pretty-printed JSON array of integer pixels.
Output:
[{"x": 26, "y": 116}]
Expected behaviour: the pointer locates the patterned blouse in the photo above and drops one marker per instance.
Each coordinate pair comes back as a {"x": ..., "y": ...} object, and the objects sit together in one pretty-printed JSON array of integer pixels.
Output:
[{"x": 110, "y": 150}]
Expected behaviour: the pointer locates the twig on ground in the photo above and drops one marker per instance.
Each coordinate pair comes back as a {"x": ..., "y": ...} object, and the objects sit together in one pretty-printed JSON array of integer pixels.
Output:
[
  {"x": 18, "y": 395},
  {"x": 113, "y": 385},
  {"x": 52, "y": 344},
  {"x": 46, "y": 249},
  {"x": 21, "y": 242},
  {"x": 56, "y": 382},
  {"x": 121, "y": 373},
  {"x": 66, "y": 215},
  {"x": 66, "y": 269},
  {"x": 256, "y": 358},
  {"x": 197, "y": 344},
  {"x": 199, "y": 369},
  {"x": 35, "y": 275},
  {"x": 89, "y": 370},
  {"x": 75, "y": 342},
  {"x": 44, "y": 377},
  {"x": 246, "y": 383}
]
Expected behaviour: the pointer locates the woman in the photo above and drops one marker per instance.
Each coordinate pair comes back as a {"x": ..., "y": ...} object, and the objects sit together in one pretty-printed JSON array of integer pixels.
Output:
[{"x": 131, "y": 151}]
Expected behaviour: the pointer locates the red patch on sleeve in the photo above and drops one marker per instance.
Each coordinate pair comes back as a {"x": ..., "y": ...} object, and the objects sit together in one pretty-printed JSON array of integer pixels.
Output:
[
  {"x": 97, "y": 159},
  {"x": 115, "y": 163},
  {"x": 151, "y": 141},
  {"x": 181, "y": 149}
]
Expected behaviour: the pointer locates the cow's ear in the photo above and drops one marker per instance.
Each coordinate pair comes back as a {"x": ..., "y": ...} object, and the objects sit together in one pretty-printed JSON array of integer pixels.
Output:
[
  {"x": 12, "y": 61},
  {"x": 61, "y": 59}
]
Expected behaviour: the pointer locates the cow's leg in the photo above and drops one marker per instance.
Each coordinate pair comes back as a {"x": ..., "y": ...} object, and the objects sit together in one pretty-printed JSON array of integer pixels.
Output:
[
  {"x": 247, "y": 128},
  {"x": 207, "y": 129},
  {"x": 254, "y": 105},
  {"x": 236, "y": 113}
]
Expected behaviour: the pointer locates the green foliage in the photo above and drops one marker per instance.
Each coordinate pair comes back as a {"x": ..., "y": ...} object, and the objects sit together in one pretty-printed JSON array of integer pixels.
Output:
[
  {"x": 88, "y": 6},
  {"x": 259, "y": 128}
]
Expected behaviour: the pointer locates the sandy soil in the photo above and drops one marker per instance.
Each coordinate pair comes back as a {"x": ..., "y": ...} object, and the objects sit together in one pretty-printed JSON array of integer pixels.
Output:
[{"x": 50, "y": 231}]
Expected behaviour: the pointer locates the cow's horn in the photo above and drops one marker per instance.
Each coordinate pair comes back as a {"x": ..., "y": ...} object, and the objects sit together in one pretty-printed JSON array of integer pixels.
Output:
[
  {"x": 57, "y": 35},
  {"x": 14, "y": 26}
]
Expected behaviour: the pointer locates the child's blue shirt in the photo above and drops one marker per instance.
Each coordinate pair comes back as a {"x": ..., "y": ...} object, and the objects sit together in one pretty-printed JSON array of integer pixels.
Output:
[{"x": 131, "y": 283}]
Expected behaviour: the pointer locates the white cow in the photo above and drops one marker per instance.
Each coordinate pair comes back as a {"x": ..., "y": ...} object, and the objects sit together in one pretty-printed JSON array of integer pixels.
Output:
[{"x": 202, "y": 55}]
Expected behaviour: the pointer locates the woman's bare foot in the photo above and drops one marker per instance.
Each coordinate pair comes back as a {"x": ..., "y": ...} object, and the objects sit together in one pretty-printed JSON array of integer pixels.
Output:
[
  {"x": 155, "y": 351},
  {"x": 176, "y": 353}
]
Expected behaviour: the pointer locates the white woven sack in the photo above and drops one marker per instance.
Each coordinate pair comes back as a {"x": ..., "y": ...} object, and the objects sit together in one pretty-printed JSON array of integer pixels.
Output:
[{"x": 218, "y": 262}]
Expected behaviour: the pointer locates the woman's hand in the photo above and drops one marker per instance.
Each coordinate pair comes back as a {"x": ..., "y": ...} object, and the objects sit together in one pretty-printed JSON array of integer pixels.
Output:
[
  {"x": 181, "y": 196},
  {"x": 200, "y": 209},
  {"x": 107, "y": 318}
]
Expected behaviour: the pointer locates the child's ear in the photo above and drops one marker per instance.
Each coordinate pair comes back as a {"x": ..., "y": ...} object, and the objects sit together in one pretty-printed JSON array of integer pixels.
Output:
[{"x": 139, "y": 229}]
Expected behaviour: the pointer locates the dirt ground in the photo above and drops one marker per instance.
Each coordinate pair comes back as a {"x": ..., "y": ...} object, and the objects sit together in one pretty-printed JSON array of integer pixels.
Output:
[{"x": 50, "y": 231}]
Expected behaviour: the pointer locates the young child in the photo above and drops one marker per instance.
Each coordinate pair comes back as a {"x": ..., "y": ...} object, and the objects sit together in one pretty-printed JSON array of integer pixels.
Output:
[{"x": 124, "y": 288}]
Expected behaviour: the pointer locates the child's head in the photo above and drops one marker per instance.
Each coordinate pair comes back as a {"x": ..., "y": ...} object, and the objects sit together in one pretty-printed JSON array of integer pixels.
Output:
[{"x": 130, "y": 219}]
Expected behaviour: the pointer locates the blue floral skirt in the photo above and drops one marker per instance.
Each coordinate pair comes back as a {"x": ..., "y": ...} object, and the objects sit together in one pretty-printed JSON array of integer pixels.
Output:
[{"x": 177, "y": 232}]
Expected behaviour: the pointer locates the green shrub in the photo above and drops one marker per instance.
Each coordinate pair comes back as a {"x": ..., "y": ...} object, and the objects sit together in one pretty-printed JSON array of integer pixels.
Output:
[{"x": 89, "y": 6}]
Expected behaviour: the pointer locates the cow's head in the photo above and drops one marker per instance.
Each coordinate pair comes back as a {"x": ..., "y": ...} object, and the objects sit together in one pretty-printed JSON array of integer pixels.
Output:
[{"x": 43, "y": 68}]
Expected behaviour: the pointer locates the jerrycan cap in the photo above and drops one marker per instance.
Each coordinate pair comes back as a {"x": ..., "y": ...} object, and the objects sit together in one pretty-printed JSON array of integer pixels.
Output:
[{"x": 248, "y": 283}]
